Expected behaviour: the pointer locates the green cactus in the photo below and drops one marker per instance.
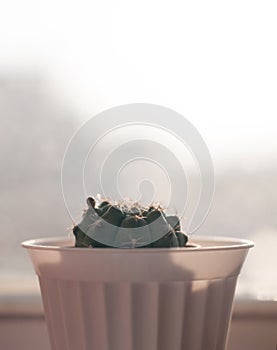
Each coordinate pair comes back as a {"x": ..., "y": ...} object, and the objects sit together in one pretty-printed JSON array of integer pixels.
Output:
[{"x": 106, "y": 225}]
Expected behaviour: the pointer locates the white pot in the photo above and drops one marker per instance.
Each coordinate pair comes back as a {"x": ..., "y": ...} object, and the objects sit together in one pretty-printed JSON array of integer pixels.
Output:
[{"x": 138, "y": 299}]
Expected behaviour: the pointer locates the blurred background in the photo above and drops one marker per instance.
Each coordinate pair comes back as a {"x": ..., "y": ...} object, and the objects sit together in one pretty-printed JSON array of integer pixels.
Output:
[{"x": 214, "y": 62}]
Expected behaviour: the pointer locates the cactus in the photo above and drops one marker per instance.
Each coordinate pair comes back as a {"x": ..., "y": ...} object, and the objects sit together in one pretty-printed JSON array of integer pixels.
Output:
[{"x": 109, "y": 223}]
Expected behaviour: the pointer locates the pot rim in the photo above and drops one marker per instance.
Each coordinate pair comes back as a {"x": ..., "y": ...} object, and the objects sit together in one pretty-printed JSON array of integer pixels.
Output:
[{"x": 62, "y": 244}]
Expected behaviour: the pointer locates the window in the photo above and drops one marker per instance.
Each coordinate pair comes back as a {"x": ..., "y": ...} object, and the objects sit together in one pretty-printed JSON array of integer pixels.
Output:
[{"x": 217, "y": 70}]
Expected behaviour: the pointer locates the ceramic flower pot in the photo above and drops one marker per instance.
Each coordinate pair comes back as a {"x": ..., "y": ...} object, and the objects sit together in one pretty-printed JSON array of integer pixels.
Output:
[{"x": 138, "y": 299}]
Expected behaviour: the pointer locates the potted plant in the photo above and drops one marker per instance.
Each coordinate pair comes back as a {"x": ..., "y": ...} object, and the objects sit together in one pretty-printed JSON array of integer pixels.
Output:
[{"x": 129, "y": 279}]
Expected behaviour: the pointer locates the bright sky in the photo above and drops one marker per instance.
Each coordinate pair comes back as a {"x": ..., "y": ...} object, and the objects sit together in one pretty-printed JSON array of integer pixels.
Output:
[{"x": 213, "y": 61}]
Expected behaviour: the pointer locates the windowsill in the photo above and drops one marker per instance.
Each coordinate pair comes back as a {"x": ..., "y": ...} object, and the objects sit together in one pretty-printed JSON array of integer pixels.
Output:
[
  {"x": 254, "y": 308},
  {"x": 29, "y": 305},
  {"x": 253, "y": 324},
  {"x": 26, "y": 305},
  {"x": 22, "y": 298}
]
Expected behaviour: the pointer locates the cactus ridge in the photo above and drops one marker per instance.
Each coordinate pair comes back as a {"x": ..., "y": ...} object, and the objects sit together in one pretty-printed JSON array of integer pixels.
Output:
[{"x": 109, "y": 222}]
